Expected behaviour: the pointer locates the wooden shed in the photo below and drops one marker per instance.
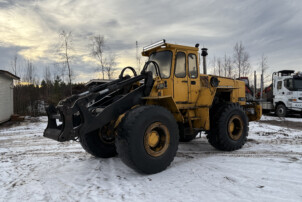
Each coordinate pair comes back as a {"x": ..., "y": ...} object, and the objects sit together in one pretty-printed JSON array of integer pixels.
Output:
[{"x": 6, "y": 95}]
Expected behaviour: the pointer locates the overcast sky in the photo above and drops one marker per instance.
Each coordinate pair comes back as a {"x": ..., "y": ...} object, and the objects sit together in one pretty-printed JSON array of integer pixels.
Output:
[{"x": 31, "y": 29}]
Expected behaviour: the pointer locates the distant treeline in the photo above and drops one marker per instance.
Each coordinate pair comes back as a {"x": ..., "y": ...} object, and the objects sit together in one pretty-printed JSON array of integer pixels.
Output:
[{"x": 31, "y": 99}]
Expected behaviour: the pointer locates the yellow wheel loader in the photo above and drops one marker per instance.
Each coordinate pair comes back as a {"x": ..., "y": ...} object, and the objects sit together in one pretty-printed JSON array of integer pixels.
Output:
[{"x": 143, "y": 117}]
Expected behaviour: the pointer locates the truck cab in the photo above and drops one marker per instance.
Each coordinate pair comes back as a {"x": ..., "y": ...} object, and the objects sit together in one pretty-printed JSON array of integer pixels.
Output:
[{"x": 287, "y": 92}]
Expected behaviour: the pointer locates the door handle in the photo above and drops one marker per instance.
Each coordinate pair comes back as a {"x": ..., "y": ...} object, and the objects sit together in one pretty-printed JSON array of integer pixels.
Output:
[
  {"x": 193, "y": 82},
  {"x": 184, "y": 81}
]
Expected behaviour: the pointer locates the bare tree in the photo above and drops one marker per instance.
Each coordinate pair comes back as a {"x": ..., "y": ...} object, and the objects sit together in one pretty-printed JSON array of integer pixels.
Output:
[
  {"x": 14, "y": 64},
  {"x": 138, "y": 58},
  {"x": 47, "y": 75},
  {"x": 97, "y": 51},
  {"x": 213, "y": 62},
  {"x": 263, "y": 64},
  {"x": 30, "y": 72},
  {"x": 241, "y": 59},
  {"x": 58, "y": 70},
  {"x": 219, "y": 66},
  {"x": 227, "y": 66},
  {"x": 263, "y": 67},
  {"x": 46, "y": 82},
  {"x": 110, "y": 64},
  {"x": 65, "y": 51}
]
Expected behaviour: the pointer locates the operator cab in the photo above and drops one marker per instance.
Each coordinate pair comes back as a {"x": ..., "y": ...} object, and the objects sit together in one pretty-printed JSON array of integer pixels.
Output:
[{"x": 177, "y": 66}]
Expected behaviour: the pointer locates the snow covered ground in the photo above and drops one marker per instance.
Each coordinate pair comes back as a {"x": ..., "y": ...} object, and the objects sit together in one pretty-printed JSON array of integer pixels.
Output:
[{"x": 267, "y": 168}]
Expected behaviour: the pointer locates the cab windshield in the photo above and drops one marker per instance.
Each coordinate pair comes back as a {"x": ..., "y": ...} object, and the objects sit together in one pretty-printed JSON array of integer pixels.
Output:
[
  {"x": 164, "y": 61},
  {"x": 293, "y": 84},
  {"x": 298, "y": 84}
]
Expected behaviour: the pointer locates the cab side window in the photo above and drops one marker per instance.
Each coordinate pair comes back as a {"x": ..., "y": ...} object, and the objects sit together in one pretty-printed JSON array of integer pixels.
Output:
[
  {"x": 192, "y": 65},
  {"x": 180, "y": 65},
  {"x": 279, "y": 85}
]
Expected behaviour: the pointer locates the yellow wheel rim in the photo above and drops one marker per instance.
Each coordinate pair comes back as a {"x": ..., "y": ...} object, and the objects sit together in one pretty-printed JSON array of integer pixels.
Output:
[
  {"x": 153, "y": 139},
  {"x": 156, "y": 139},
  {"x": 235, "y": 127},
  {"x": 231, "y": 127}
]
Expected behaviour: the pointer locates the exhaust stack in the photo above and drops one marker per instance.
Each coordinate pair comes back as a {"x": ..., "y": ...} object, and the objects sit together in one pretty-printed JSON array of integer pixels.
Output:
[{"x": 204, "y": 53}]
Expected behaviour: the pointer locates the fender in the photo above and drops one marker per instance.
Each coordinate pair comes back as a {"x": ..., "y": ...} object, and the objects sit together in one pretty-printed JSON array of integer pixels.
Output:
[{"x": 168, "y": 103}]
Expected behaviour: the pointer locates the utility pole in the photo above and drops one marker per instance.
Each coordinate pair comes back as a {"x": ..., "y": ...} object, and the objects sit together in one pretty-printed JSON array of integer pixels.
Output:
[
  {"x": 261, "y": 87},
  {"x": 255, "y": 84},
  {"x": 138, "y": 59}
]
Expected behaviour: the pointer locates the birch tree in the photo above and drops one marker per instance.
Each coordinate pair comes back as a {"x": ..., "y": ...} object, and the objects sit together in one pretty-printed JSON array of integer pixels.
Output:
[
  {"x": 219, "y": 66},
  {"x": 14, "y": 65},
  {"x": 97, "y": 51},
  {"x": 263, "y": 68},
  {"x": 241, "y": 59},
  {"x": 110, "y": 65},
  {"x": 227, "y": 66},
  {"x": 65, "y": 52}
]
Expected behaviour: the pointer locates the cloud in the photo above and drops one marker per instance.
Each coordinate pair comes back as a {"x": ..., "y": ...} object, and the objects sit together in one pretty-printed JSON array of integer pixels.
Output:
[{"x": 270, "y": 27}]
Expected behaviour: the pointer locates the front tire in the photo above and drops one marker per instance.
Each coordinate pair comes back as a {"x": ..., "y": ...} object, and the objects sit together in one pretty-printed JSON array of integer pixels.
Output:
[
  {"x": 229, "y": 128},
  {"x": 96, "y": 144},
  {"x": 147, "y": 139},
  {"x": 281, "y": 110}
]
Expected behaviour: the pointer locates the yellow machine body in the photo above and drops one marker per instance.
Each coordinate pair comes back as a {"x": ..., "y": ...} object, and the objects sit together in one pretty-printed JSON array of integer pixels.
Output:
[{"x": 190, "y": 97}]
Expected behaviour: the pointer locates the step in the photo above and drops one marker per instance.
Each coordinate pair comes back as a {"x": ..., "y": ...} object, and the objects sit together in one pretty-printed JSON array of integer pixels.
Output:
[{"x": 195, "y": 118}]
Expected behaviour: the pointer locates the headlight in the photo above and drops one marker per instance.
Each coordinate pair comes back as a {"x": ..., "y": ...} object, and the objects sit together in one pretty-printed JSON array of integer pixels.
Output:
[{"x": 292, "y": 100}]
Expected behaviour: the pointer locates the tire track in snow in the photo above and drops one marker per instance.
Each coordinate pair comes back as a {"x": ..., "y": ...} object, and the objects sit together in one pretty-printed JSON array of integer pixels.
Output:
[
  {"x": 107, "y": 169},
  {"x": 114, "y": 177},
  {"x": 73, "y": 179},
  {"x": 250, "y": 154}
]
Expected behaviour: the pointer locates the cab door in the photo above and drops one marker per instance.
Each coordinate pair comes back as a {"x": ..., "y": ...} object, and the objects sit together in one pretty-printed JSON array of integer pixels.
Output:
[
  {"x": 181, "y": 92},
  {"x": 193, "y": 79},
  {"x": 278, "y": 91}
]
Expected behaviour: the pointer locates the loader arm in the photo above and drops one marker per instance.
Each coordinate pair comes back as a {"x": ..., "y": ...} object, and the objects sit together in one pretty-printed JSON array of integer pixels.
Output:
[{"x": 93, "y": 109}]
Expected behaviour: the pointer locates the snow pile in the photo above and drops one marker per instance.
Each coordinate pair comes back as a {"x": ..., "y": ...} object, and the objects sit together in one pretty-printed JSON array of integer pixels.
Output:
[{"x": 267, "y": 168}]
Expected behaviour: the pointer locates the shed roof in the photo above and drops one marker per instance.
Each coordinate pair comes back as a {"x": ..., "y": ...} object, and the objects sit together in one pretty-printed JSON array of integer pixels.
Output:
[{"x": 9, "y": 75}]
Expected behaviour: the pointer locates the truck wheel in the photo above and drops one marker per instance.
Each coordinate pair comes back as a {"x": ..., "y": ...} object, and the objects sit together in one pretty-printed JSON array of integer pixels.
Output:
[
  {"x": 281, "y": 110},
  {"x": 98, "y": 144},
  {"x": 147, "y": 139},
  {"x": 229, "y": 130},
  {"x": 186, "y": 135}
]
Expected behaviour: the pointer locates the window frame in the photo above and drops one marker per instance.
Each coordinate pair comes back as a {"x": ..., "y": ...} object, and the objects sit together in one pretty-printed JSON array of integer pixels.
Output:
[
  {"x": 176, "y": 64},
  {"x": 279, "y": 85},
  {"x": 158, "y": 64},
  {"x": 196, "y": 66}
]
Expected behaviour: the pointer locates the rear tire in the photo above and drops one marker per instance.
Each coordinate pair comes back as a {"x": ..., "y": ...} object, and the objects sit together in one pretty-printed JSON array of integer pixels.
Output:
[
  {"x": 147, "y": 139},
  {"x": 229, "y": 128},
  {"x": 97, "y": 146},
  {"x": 281, "y": 110}
]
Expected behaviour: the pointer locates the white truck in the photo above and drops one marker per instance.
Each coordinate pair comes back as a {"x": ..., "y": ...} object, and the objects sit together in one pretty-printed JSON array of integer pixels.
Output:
[{"x": 284, "y": 95}]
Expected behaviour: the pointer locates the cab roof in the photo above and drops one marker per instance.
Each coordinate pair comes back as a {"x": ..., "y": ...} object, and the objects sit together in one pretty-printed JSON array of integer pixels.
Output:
[{"x": 162, "y": 45}]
